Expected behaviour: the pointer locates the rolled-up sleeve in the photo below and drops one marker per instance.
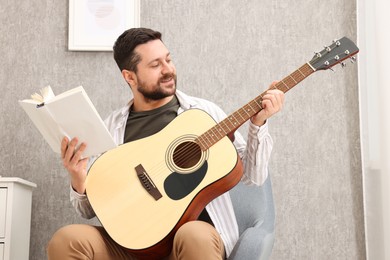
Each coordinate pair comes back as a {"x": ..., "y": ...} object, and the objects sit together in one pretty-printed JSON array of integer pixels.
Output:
[
  {"x": 256, "y": 154},
  {"x": 81, "y": 204}
]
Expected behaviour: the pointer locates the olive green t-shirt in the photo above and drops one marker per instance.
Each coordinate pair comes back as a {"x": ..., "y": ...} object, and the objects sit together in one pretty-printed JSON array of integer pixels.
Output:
[{"x": 146, "y": 123}]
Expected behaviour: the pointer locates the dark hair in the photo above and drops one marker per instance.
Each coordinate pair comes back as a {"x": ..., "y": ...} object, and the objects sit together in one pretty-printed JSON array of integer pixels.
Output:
[{"x": 124, "y": 53}]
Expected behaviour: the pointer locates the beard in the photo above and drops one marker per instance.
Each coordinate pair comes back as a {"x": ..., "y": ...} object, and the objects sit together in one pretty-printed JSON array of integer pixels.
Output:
[{"x": 157, "y": 92}]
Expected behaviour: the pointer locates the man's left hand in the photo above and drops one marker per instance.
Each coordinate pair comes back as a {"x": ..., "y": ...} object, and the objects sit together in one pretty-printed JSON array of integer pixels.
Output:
[{"x": 272, "y": 103}]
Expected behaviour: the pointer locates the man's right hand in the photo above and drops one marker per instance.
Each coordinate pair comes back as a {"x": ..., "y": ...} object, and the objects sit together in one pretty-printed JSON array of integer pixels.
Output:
[{"x": 74, "y": 163}]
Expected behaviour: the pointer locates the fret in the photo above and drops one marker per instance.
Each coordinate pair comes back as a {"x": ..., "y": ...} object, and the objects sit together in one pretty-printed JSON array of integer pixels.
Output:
[
  {"x": 214, "y": 132},
  {"x": 284, "y": 83},
  {"x": 219, "y": 130},
  {"x": 293, "y": 79},
  {"x": 299, "y": 70},
  {"x": 227, "y": 127},
  {"x": 239, "y": 113},
  {"x": 298, "y": 76},
  {"x": 202, "y": 145},
  {"x": 211, "y": 135},
  {"x": 203, "y": 141},
  {"x": 205, "y": 137},
  {"x": 246, "y": 111},
  {"x": 258, "y": 104},
  {"x": 290, "y": 83},
  {"x": 230, "y": 121},
  {"x": 235, "y": 119},
  {"x": 253, "y": 110}
]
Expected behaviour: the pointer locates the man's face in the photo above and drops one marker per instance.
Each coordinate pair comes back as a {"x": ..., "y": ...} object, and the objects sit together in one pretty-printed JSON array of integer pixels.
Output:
[{"x": 156, "y": 75}]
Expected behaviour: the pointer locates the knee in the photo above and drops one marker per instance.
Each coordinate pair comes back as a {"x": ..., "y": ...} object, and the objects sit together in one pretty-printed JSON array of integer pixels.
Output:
[
  {"x": 197, "y": 240},
  {"x": 197, "y": 232},
  {"x": 60, "y": 238},
  {"x": 66, "y": 240}
]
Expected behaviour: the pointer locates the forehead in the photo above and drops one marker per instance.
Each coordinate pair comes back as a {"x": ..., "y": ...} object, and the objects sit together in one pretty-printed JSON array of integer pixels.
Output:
[{"x": 152, "y": 50}]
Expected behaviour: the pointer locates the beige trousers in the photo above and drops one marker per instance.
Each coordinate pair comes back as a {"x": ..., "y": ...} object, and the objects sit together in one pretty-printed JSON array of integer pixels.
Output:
[{"x": 194, "y": 240}]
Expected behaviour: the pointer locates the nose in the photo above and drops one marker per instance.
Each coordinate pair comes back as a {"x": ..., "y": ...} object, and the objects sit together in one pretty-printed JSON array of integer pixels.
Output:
[{"x": 167, "y": 68}]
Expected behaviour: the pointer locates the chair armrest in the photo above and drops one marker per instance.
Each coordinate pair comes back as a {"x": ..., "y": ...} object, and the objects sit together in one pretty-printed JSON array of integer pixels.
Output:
[{"x": 256, "y": 221}]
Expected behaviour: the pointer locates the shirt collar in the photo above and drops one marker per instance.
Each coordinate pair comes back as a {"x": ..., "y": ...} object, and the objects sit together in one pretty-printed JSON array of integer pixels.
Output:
[{"x": 185, "y": 101}]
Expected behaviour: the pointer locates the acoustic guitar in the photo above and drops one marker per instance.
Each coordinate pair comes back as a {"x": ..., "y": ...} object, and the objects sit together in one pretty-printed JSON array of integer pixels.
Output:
[{"x": 142, "y": 192}]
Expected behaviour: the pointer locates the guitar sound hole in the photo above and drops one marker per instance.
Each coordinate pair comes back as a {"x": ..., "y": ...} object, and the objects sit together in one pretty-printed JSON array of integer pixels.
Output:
[{"x": 186, "y": 155}]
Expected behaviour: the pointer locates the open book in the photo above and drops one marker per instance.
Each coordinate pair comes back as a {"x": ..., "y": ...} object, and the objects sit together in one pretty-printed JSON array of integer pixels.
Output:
[{"x": 69, "y": 114}]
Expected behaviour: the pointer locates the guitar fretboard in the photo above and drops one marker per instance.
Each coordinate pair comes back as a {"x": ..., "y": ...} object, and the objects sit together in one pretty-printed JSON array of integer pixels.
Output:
[{"x": 239, "y": 117}]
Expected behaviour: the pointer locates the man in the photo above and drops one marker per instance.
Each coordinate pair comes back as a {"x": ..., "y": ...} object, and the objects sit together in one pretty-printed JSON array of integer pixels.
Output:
[{"x": 147, "y": 67}]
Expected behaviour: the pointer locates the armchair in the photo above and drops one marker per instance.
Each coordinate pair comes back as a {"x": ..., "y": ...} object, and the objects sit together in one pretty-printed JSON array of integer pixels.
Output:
[{"x": 255, "y": 212}]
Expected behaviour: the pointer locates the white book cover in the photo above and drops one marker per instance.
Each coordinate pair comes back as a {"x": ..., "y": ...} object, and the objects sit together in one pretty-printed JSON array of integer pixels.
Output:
[{"x": 69, "y": 114}]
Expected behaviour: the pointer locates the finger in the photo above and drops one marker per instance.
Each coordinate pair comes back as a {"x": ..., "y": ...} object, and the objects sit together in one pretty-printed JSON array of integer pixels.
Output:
[
  {"x": 77, "y": 157},
  {"x": 71, "y": 150},
  {"x": 64, "y": 146},
  {"x": 269, "y": 98},
  {"x": 276, "y": 97},
  {"x": 280, "y": 99},
  {"x": 271, "y": 105}
]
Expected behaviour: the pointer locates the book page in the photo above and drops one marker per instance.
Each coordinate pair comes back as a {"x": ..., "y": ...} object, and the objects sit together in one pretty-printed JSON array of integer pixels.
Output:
[
  {"x": 46, "y": 125},
  {"x": 76, "y": 116}
]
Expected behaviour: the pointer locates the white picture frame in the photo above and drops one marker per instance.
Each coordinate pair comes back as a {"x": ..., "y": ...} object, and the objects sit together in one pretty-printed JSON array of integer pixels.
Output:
[{"x": 94, "y": 25}]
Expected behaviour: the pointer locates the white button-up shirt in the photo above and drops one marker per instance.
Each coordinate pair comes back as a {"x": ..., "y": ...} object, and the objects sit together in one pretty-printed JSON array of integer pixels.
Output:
[{"x": 254, "y": 154}]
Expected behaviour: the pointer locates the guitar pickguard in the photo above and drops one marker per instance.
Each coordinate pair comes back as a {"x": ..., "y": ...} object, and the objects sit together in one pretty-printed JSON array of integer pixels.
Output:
[{"x": 178, "y": 186}]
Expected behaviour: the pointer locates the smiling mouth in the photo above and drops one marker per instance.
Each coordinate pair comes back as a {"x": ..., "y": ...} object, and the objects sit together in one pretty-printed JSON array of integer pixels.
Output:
[{"x": 167, "y": 80}]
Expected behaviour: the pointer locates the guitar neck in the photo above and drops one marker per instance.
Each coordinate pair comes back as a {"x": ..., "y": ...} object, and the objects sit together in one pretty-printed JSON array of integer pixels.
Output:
[{"x": 239, "y": 117}]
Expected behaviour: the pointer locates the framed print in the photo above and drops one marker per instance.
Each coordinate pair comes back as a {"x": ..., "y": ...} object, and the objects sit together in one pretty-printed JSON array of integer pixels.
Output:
[{"x": 94, "y": 25}]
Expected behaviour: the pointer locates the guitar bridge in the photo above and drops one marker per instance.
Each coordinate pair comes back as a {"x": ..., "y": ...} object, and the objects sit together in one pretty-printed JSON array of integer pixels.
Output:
[{"x": 147, "y": 182}]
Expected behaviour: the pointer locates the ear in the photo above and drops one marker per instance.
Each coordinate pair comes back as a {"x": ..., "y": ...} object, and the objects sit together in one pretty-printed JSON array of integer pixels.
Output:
[{"x": 130, "y": 77}]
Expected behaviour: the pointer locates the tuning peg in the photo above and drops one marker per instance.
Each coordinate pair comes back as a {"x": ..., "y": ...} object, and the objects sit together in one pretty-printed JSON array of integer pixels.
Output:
[
  {"x": 343, "y": 64},
  {"x": 337, "y": 42},
  {"x": 353, "y": 59}
]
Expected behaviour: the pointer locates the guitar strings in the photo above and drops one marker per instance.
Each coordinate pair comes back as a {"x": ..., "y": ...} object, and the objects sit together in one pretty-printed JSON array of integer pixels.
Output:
[
  {"x": 182, "y": 154},
  {"x": 187, "y": 152}
]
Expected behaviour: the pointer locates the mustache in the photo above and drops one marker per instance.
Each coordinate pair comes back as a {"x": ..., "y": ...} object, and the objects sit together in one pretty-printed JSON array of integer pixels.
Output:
[{"x": 168, "y": 76}]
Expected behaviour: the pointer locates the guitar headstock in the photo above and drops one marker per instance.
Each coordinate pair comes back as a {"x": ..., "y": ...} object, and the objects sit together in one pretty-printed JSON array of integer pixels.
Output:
[{"x": 334, "y": 54}]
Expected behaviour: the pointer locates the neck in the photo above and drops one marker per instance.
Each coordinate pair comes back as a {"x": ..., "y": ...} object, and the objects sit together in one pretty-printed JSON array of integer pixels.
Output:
[{"x": 144, "y": 104}]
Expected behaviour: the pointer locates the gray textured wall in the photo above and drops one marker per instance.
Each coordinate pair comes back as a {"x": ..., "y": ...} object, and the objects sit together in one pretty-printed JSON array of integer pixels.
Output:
[{"x": 227, "y": 51}]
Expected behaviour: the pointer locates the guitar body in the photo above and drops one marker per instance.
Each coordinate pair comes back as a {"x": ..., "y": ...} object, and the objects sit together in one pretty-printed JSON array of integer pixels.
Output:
[{"x": 143, "y": 191}]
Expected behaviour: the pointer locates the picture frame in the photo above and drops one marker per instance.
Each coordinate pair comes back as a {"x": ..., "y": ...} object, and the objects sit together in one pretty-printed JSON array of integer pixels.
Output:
[{"x": 94, "y": 25}]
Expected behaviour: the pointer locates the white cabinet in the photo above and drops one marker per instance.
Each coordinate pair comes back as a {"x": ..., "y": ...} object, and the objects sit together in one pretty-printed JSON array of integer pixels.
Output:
[{"x": 15, "y": 218}]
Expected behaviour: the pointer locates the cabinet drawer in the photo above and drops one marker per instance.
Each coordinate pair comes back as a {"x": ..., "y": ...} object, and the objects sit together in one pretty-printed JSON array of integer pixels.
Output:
[{"x": 3, "y": 211}]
